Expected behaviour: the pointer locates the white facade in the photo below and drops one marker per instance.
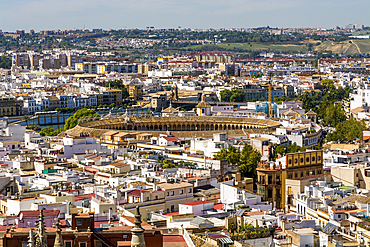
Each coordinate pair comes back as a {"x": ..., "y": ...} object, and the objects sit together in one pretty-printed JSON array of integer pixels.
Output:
[
  {"x": 210, "y": 147},
  {"x": 14, "y": 206},
  {"x": 204, "y": 111},
  {"x": 16, "y": 131},
  {"x": 196, "y": 208},
  {"x": 361, "y": 98},
  {"x": 230, "y": 194},
  {"x": 77, "y": 145}
]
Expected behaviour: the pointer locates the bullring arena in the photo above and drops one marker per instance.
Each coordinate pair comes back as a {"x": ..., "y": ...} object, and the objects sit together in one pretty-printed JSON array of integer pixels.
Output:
[{"x": 181, "y": 127}]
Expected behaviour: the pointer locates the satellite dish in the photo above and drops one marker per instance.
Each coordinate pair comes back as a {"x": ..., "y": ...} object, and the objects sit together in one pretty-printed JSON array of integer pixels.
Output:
[{"x": 21, "y": 216}]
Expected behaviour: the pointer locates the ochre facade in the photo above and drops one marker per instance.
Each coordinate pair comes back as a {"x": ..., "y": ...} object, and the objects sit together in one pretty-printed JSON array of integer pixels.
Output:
[{"x": 271, "y": 182}]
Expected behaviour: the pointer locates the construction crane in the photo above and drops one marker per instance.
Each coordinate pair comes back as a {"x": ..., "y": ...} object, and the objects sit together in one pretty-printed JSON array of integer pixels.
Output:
[{"x": 270, "y": 100}]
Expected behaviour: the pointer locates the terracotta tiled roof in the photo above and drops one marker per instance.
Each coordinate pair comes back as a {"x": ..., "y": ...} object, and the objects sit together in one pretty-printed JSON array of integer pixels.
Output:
[{"x": 353, "y": 199}]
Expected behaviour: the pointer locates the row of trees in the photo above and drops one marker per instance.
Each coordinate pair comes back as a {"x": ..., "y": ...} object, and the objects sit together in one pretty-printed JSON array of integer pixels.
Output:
[{"x": 233, "y": 95}]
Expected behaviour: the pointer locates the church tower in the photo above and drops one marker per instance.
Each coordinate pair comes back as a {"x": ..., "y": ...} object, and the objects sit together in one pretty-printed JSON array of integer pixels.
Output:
[
  {"x": 58, "y": 237},
  {"x": 41, "y": 232},
  {"x": 137, "y": 239},
  {"x": 203, "y": 108},
  {"x": 31, "y": 239}
]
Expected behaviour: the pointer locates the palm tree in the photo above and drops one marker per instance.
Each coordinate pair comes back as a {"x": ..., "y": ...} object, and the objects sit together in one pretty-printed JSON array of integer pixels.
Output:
[{"x": 26, "y": 118}]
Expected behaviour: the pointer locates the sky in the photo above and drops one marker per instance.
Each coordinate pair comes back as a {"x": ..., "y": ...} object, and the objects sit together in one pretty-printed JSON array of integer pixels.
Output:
[{"x": 203, "y": 14}]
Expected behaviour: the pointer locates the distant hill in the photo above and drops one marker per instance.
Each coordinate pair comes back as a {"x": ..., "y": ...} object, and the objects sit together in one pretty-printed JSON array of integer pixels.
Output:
[{"x": 345, "y": 47}]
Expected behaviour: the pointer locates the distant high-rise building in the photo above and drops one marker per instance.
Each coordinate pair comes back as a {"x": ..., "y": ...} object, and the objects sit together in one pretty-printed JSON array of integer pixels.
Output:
[
  {"x": 359, "y": 26},
  {"x": 350, "y": 26},
  {"x": 32, "y": 32}
]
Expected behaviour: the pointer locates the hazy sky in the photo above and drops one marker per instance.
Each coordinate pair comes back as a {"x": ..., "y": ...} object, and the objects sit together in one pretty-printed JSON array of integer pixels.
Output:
[{"x": 69, "y": 14}]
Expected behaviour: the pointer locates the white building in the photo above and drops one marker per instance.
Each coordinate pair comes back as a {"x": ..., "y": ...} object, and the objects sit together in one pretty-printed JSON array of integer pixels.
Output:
[
  {"x": 14, "y": 206},
  {"x": 75, "y": 145},
  {"x": 209, "y": 147},
  {"x": 361, "y": 97},
  {"x": 196, "y": 208},
  {"x": 231, "y": 194},
  {"x": 165, "y": 140}
]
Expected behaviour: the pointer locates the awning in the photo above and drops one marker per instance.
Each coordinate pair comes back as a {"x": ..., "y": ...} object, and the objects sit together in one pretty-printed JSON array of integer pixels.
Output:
[{"x": 226, "y": 240}]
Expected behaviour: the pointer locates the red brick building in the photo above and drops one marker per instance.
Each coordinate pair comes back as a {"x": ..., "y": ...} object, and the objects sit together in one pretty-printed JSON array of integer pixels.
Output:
[{"x": 82, "y": 233}]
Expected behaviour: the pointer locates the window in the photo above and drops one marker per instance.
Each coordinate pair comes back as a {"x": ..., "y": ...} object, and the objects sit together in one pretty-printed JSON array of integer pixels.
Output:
[
  {"x": 308, "y": 159},
  {"x": 181, "y": 192},
  {"x": 68, "y": 243},
  {"x": 79, "y": 222},
  {"x": 339, "y": 216},
  {"x": 318, "y": 158},
  {"x": 156, "y": 197},
  {"x": 83, "y": 244},
  {"x": 269, "y": 193},
  {"x": 189, "y": 190},
  {"x": 301, "y": 160},
  {"x": 147, "y": 198},
  {"x": 269, "y": 179},
  {"x": 172, "y": 193},
  {"x": 290, "y": 161},
  {"x": 313, "y": 159},
  {"x": 168, "y": 193},
  {"x": 295, "y": 161},
  {"x": 97, "y": 243}
]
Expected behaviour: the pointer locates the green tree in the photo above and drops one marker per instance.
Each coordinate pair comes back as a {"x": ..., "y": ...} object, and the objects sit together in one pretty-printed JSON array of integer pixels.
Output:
[
  {"x": 5, "y": 62},
  {"x": 47, "y": 131},
  {"x": 33, "y": 126},
  {"x": 349, "y": 129},
  {"x": 166, "y": 164},
  {"x": 294, "y": 148},
  {"x": 118, "y": 84},
  {"x": 333, "y": 115},
  {"x": 233, "y": 95},
  {"x": 79, "y": 114},
  {"x": 26, "y": 118},
  {"x": 281, "y": 149},
  {"x": 247, "y": 159},
  {"x": 231, "y": 154}
]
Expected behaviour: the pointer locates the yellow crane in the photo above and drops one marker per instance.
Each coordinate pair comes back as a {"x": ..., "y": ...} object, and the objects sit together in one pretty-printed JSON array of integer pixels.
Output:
[{"x": 270, "y": 100}]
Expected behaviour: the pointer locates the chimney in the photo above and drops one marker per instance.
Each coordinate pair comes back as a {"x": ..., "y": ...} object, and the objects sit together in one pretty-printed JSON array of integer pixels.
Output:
[
  {"x": 141, "y": 195},
  {"x": 68, "y": 210},
  {"x": 110, "y": 214}
]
